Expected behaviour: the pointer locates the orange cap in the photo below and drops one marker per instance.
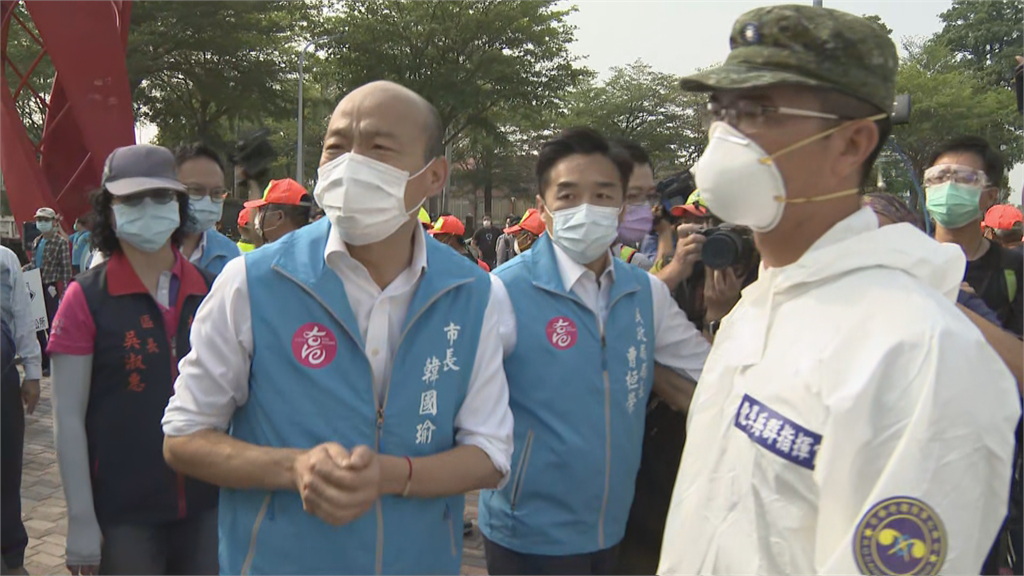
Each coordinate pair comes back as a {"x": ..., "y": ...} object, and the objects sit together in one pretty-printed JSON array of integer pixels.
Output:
[
  {"x": 693, "y": 209},
  {"x": 531, "y": 222},
  {"x": 243, "y": 218},
  {"x": 285, "y": 191},
  {"x": 448, "y": 225},
  {"x": 1002, "y": 217}
]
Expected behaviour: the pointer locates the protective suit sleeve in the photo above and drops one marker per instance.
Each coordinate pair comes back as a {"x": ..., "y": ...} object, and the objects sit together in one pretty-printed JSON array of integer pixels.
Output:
[
  {"x": 71, "y": 382},
  {"x": 914, "y": 466}
]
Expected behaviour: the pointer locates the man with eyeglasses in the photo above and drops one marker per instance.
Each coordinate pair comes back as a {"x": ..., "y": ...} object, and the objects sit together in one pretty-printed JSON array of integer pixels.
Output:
[
  {"x": 202, "y": 171},
  {"x": 283, "y": 209},
  {"x": 830, "y": 432},
  {"x": 637, "y": 217}
]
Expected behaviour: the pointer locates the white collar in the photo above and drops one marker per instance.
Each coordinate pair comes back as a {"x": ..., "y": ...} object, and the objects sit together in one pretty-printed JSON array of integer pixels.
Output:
[
  {"x": 200, "y": 248},
  {"x": 571, "y": 271},
  {"x": 335, "y": 245}
]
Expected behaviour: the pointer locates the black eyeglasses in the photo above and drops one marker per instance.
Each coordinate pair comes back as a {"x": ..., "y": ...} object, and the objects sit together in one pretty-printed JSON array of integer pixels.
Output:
[
  {"x": 160, "y": 197},
  {"x": 196, "y": 192}
]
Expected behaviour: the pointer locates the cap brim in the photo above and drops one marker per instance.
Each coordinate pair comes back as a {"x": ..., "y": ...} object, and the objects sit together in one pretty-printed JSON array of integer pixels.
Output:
[
  {"x": 255, "y": 203},
  {"x": 127, "y": 186},
  {"x": 512, "y": 229},
  {"x": 680, "y": 211},
  {"x": 738, "y": 77}
]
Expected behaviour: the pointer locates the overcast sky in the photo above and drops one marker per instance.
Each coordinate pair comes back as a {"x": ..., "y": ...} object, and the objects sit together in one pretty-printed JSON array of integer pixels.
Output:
[{"x": 680, "y": 36}]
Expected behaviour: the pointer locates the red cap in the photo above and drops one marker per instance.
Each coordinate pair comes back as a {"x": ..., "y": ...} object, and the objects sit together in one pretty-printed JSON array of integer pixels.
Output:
[
  {"x": 692, "y": 209},
  {"x": 1002, "y": 217},
  {"x": 448, "y": 225},
  {"x": 531, "y": 222},
  {"x": 243, "y": 218},
  {"x": 285, "y": 191}
]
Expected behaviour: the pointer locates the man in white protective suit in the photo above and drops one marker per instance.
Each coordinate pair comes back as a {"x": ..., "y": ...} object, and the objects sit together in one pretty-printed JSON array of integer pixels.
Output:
[{"x": 849, "y": 418}]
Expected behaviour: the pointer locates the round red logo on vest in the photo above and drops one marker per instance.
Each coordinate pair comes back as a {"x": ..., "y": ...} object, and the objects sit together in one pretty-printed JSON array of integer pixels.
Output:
[
  {"x": 314, "y": 345},
  {"x": 561, "y": 332}
]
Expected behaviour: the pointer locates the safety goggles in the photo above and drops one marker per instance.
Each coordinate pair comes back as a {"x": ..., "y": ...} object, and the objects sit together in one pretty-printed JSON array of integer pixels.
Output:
[{"x": 965, "y": 175}]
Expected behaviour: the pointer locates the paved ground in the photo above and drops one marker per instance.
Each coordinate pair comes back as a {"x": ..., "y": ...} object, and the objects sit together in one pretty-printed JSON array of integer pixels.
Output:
[{"x": 45, "y": 513}]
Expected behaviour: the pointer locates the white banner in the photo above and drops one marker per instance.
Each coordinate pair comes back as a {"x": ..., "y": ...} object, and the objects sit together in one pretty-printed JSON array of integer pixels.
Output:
[{"x": 34, "y": 283}]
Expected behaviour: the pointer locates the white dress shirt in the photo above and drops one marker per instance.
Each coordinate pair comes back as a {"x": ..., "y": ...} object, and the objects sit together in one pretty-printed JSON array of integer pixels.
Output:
[
  {"x": 677, "y": 342},
  {"x": 17, "y": 310},
  {"x": 213, "y": 378},
  {"x": 197, "y": 254}
]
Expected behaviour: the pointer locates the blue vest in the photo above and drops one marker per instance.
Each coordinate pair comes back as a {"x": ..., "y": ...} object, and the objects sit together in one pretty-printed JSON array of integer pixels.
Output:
[
  {"x": 218, "y": 251},
  {"x": 578, "y": 398},
  {"x": 313, "y": 384}
]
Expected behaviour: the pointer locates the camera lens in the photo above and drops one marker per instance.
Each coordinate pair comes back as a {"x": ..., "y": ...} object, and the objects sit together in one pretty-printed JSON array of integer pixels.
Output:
[{"x": 722, "y": 249}]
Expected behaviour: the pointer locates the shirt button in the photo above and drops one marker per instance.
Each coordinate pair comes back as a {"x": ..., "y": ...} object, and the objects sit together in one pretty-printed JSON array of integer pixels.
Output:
[{"x": 374, "y": 352}]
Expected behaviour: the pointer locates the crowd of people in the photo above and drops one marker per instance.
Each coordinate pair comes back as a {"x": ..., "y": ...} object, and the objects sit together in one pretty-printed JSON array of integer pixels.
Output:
[{"x": 747, "y": 367}]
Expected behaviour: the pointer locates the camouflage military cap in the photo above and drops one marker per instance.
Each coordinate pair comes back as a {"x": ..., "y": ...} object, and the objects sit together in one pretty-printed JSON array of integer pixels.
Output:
[{"x": 809, "y": 46}]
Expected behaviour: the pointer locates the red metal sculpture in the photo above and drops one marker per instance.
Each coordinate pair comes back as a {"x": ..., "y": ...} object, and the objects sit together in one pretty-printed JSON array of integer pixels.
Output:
[{"x": 88, "y": 109}]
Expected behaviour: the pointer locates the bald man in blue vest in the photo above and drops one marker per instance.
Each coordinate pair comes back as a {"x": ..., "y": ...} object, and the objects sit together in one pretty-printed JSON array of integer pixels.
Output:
[{"x": 379, "y": 397}]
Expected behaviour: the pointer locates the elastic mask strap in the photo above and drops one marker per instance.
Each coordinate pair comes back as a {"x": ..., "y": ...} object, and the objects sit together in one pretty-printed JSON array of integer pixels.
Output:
[
  {"x": 832, "y": 196},
  {"x": 826, "y": 133}
]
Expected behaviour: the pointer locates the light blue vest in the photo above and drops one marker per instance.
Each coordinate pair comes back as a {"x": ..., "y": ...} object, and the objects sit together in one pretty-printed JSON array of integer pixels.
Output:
[
  {"x": 311, "y": 382},
  {"x": 579, "y": 401},
  {"x": 218, "y": 251}
]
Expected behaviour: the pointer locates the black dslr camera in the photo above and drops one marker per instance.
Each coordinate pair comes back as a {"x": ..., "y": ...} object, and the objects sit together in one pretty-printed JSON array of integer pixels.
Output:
[{"x": 727, "y": 246}]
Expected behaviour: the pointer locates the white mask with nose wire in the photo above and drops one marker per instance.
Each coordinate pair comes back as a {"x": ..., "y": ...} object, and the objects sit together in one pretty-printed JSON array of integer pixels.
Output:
[{"x": 364, "y": 198}]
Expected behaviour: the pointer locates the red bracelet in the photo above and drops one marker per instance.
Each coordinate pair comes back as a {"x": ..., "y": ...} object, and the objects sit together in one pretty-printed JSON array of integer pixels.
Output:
[{"x": 408, "y": 481}]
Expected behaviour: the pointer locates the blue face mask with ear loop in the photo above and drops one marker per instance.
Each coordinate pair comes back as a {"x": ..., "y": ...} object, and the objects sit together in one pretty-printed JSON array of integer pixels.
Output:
[{"x": 147, "y": 226}]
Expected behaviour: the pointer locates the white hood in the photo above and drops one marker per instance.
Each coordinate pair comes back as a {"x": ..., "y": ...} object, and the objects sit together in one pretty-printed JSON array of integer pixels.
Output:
[{"x": 858, "y": 242}]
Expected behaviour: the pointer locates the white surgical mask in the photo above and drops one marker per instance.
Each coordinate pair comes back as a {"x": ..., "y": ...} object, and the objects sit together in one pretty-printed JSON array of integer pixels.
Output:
[
  {"x": 740, "y": 182},
  {"x": 585, "y": 232},
  {"x": 148, "y": 225},
  {"x": 44, "y": 227},
  {"x": 364, "y": 198},
  {"x": 206, "y": 213}
]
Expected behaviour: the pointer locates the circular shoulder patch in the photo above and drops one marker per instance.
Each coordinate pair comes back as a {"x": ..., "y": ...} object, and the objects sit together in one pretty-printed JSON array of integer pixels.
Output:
[{"x": 900, "y": 535}]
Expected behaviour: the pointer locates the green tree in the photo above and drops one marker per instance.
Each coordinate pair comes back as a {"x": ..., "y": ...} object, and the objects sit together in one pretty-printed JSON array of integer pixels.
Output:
[
  {"x": 469, "y": 59},
  {"x": 985, "y": 36},
  {"x": 22, "y": 50},
  {"x": 203, "y": 70},
  {"x": 646, "y": 106}
]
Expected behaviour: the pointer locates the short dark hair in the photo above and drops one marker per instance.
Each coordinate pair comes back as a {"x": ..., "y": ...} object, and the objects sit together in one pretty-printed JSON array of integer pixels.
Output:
[
  {"x": 851, "y": 108},
  {"x": 298, "y": 216},
  {"x": 104, "y": 238},
  {"x": 435, "y": 132},
  {"x": 187, "y": 152},
  {"x": 584, "y": 141},
  {"x": 989, "y": 156},
  {"x": 635, "y": 151}
]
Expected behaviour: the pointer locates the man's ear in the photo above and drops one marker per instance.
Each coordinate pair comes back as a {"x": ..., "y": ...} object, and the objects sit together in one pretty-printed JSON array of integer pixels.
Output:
[
  {"x": 988, "y": 199},
  {"x": 856, "y": 142},
  {"x": 437, "y": 176}
]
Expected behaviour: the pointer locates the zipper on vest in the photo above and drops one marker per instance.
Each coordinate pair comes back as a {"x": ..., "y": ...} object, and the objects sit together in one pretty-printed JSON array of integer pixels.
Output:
[
  {"x": 607, "y": 439},
  {"x": 379, "y": 560}
]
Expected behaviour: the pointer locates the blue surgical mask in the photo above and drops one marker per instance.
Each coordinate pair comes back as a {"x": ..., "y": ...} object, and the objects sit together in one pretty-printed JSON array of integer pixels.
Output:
[
  {"x": 953, "y": 205},
  {"x": 44, "y": 227},
  {"x": 147, "y": 226},
  {"x": 205, "y": 214},
  {"x": 585, "y": 232}
]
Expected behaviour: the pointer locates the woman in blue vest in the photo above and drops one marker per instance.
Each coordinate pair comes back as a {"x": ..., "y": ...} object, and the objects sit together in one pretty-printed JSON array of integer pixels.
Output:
[
  {"x": 597, "y": 326},
  {"x": 115, "y": 344},
  {"x": 379, "y": 398},
  {"x": 202, "y": 171}
]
